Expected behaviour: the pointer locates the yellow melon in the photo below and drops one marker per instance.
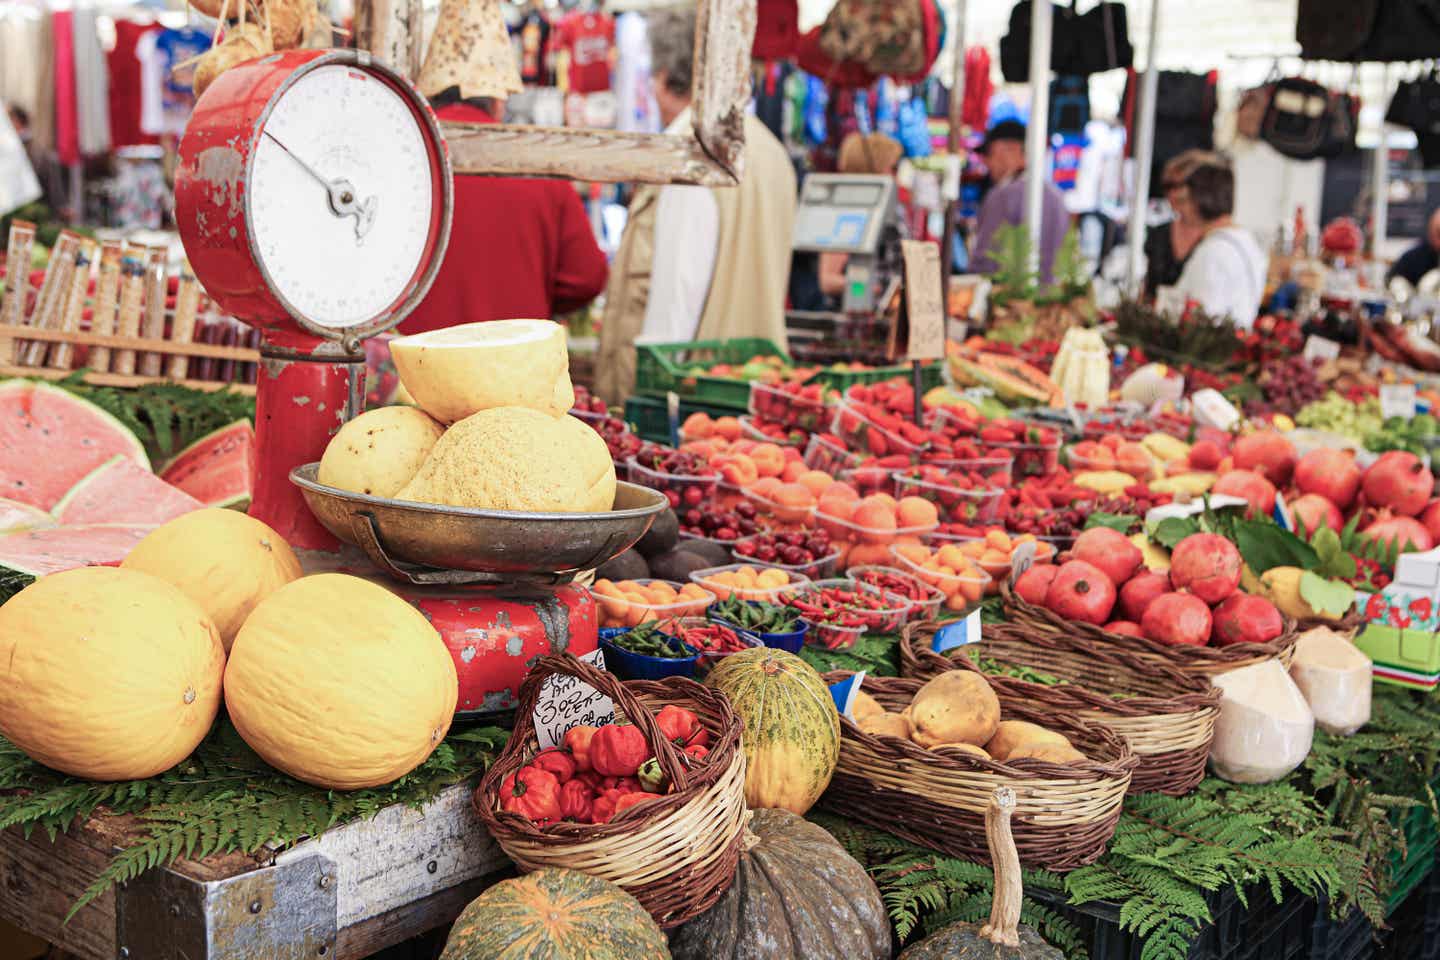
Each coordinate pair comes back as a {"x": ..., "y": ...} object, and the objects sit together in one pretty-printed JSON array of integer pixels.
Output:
[
  {"x": 379, "y": 451},
  {"x": 110, "y": 674},
  {"x": 224, "y": 560},
  {"x": 340, "y": 683},
  {"x": 515, "y": 458},
  {"x": 458, "y": 371}
]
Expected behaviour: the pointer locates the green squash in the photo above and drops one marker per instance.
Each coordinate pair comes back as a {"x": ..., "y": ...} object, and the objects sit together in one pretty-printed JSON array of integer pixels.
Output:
[
  {"x": 555, "y": 915},
  {"x": 1002, "y": 938},
  {"x": 797, "y": 896}
]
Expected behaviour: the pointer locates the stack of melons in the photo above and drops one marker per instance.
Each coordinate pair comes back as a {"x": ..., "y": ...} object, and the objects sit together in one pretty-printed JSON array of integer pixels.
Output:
[{"x": 959, "y": 711}]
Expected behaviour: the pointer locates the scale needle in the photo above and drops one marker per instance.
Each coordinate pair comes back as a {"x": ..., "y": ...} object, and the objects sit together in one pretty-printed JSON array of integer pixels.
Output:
[{"x": 341, "y": 193}]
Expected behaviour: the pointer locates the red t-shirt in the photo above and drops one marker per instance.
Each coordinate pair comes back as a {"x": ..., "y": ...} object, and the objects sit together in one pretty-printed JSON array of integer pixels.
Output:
[
  {"x": 519, "y": 249},
  {"x": 588, "y": 38}
]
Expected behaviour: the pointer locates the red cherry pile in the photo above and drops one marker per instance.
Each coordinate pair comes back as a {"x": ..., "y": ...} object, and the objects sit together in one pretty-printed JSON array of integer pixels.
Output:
[
  {"x": 587, "y": 402},
  {"x": 685, "y": 478},
  {"x": 792, "y": 549},
  {"x": 617, "y": 436},
  {"x": 725, "y": 525}
]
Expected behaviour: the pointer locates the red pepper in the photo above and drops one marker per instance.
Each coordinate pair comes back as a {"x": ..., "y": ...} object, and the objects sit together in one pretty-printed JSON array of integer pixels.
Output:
[
  {"x": 577, "y": 741},
  {"x": 591, "y": 779},
  {"x": 532, "y": 793},
  {"x": 576, "y": 799},
  {"x": 633, "y": 799},
  {"x": 697, "y": 751},
  {"x": 680, "y": 726},
  {"x": 555, "y": 762},
  {"x": 617, "y": 750},
  {"x": 622, "y": 784},
  {"x": 604, "y": 806}
]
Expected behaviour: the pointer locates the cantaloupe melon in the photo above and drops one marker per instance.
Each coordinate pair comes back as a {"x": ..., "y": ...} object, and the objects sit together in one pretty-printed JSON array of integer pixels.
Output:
[
  {"x": 110, "y": 674},
  {"x": 340, "y": 683},
  {"x": 379, "y": 451},
  {"x": 225, "y": 561},
  {"x": 515, "y": 458},
  {"x": 458, "y": 371}
]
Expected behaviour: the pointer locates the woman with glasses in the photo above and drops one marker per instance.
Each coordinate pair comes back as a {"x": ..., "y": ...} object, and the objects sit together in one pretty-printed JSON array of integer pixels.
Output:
[{"x": 1168, "y": 245}]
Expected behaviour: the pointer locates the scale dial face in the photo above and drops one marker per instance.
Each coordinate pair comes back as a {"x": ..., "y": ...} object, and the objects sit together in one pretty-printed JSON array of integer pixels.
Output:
[{"x": 341, "y": 197}]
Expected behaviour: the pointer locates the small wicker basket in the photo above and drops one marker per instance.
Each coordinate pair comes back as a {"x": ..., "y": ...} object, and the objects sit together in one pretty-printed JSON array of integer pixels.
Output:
[
  {"x": 1210, "y": 661},
  {"x": 1166, "y": 715},
  {"x": 1065, "y": 812},
  {"x": 676, "y": 855}
]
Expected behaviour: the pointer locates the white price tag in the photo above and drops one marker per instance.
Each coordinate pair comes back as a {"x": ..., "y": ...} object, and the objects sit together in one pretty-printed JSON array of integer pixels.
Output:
[
  {"x": 1022, "y": 558},
  {"x": 1319, "y": 348},
  {"x": 1397, "y": 400},
  {"x": 1211, "y": 409},
  {"x": 566, "y": 702}
]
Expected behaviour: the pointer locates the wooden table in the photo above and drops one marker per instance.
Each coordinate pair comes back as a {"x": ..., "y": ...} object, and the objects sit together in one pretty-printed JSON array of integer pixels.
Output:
[{"x": 355, "y": 890}]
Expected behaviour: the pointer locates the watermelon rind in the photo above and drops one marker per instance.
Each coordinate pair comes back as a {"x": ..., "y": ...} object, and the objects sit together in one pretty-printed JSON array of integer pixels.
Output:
[
  {"x": 213, "y": 439},
  {"x": 15, "y": 464},
  {"x": 17, "y": 517},
  {"x": 19, "y": 551},
  {"x": 153, "y": 501}
]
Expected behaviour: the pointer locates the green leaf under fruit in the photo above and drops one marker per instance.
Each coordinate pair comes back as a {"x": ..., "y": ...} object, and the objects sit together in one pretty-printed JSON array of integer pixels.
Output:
[
  {"x": 1122, "y": 522},
  {"x": 1335, "y": 560},
  {"x": 1172, "y": 530},
  {"x": 1265, "y": 546},
  {"x": 1327, "y": 596}
]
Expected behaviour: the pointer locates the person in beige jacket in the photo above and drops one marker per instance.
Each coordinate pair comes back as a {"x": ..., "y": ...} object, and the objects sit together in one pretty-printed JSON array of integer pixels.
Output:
[{"x": 697, "y": 263}]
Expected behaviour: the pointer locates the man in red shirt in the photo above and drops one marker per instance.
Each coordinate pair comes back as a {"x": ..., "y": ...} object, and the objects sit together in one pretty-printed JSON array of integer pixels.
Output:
[{"x": 519, "y": 248}]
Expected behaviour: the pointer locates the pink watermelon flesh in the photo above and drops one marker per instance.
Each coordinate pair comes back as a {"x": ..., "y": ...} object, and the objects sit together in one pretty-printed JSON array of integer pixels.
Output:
[
  {"x": 121, "y": 491},
  {"x": 39, "y": 552},
  {"x": 16, "y": 517},
  {"x": 216, "y": 469},
  {"x": 50, "y": 439}
]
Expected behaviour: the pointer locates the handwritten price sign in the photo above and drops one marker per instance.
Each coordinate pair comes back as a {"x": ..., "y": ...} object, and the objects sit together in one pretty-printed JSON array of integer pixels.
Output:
[{"x": 566, "y": 702}]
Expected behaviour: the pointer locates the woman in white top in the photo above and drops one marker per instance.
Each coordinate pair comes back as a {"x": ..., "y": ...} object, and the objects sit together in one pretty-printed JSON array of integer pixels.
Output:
[{"x": 1226, "y": 272}]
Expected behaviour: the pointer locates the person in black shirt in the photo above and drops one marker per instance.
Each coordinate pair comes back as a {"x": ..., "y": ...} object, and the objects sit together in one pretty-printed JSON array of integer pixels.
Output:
[
  {"x": 1168, "y": 245},
  {"x": 1421, "y": 258}
]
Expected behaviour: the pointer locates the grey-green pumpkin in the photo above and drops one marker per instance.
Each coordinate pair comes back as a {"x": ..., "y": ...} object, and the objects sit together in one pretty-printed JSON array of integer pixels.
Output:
[{"x": 797, "y": 896}]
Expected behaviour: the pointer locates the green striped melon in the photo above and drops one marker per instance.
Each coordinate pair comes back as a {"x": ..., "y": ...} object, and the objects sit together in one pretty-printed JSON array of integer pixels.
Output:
[
  {"x": 792, "y": 729},
  {"x": 556, "y": 914}
]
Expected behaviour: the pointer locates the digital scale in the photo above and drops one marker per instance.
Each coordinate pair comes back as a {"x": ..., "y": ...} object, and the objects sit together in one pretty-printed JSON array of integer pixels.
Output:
[
  {"x": 314, "y": 198},
  {"x": 850, "y": 214}
]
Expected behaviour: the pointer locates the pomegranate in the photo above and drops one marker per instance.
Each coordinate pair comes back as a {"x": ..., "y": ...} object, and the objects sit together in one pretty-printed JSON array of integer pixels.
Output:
[
  {"x": 1431, "y": 519},
  {"x": 1388, "y": 528},
  {"x": 1267, "y": 453},
  {"x": 1032, "y": 585},
  {"x": 1124, "y": 627},
  {"x": 1399, "y": 481},
  {"x": 1207, "y": 565},
  {"x": 1333, "y": 474},
  {"x": 1081, "y": 591},
  {"x": 1246, "y": 618},
  {"x": 1177, "y": 619},
  {"x": 1313, "y": 511},
  {"x": 1205, "y": 456},
  {"x": 1137, "y": 593},
  {"x": 1110, "y": 550},
  {"x": 1251, "y": 486}
]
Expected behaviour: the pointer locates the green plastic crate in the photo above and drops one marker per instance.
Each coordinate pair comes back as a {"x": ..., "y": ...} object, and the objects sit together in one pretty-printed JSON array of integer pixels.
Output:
[
  {"x": 648, "y": 418},
  {"x": 1421, "y": 841},
  {"x": 931, "y": 375},
  {"x": 661, "y": 368}
]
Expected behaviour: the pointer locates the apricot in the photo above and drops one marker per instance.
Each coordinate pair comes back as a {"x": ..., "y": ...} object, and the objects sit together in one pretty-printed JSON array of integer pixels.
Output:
[
  {"x": 998, "y": 540},
  {"x": 874, "y": 516},
  {"x": 769, "y": 459},
  {"x": 727, "y": 427},
  {"x": 771, "y": 577},
  {"x": 818, "y": 482},
  {"x": 884, "y": 499},
  {"x": 766, "y": 487},
  {"x": 743, "y": 446},
  {"x": 951, "y": 555},
  {"x": 868, "y": 554},
  {"x": 794, "y": 495},
  {"x": 1089, "y": 455},
  {"x": 698, "y": 426},
  {"x": 1134, "y": 460},
  {"x": 914, "y": 552},
  {"x": 1111, "y": 441},
  {"x": 736, "y": 469},
  {"x": 838, "y": 508},
  {"x": 794, "y": 469},
  {"x": 916, "y": 512}
]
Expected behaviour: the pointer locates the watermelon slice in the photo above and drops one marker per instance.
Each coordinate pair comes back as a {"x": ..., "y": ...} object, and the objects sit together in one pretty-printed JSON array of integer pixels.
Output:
[
  {"x": 38, "y": 552},
  {"x": 50, "y": 439},
  {"x": 121, "y": 491},
  {"x": 17, "y": 517},
  {"x": 217, "y": 468}
]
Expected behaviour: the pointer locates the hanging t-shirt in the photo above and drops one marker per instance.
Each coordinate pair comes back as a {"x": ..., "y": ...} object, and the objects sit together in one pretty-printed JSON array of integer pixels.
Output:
[
  {"x": 153, "y": 64},
  {"x": 125, "y": 84},
  {"x": 178, "y": 96},
  {"x": 588, "y": 38},
  {"x": 533, "y": 34}
]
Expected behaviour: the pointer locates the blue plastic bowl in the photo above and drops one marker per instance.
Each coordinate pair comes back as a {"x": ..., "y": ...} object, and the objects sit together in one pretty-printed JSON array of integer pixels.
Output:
[
  {"x": 638, "y": 666},
  {"x": 790, "y": 642}
]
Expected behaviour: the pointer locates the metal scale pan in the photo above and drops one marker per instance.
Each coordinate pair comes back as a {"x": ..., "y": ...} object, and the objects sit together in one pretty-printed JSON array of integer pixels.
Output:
[{"x": 426, "y": 543}]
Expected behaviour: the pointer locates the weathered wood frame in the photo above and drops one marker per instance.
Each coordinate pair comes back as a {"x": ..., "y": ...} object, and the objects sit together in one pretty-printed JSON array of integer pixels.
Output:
[{"x": 712, "y": 156}]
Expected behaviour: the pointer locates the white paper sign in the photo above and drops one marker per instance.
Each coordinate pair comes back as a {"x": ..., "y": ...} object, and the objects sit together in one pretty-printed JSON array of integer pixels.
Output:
[
  {"x": 1022, "y": 558},
  {"x": 1319, "y": 348},
  {"x": 566, "y": 702},
  {"x": 1397, "y": 400},
  {"x": 1211, "y": 409}
]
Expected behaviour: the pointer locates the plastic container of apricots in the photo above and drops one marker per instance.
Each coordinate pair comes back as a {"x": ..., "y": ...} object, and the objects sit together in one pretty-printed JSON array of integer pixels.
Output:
[
  {"x": 994, "y": 552},
  {"x": 961, "y": 580},
  {"x": 879, "y": 519},
  {"x": 749, "y": 582},
  {"x": 1125, "y": 456},
  {"x": 955, "y": 504},
  {"x": 628, "y": 603},
  {"x": 786, "y": 503}
]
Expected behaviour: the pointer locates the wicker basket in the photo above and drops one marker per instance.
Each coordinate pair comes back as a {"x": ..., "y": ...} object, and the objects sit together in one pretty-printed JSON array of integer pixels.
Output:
[
  {"x": 676, "y": 855},
  {"x": 1066, "y": 813},
  {"x": 1350, "y": 624},
  {"x": 1167, "y": 716},
  {"x": 1210, "y": 661}
]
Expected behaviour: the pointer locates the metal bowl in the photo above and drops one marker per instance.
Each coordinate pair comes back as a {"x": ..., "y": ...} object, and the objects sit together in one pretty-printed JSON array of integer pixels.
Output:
[{"x": 462, "y": 545}]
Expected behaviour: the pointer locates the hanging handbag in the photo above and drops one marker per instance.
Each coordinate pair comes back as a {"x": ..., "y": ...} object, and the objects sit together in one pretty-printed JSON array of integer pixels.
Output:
[
  {"x": 1250, "y": 114},
  {"x": 1416, "y": 105},
  {"x": 1100, "y": 41},
  {"x": 1334, "y": 29},
  {"x": 1297, "y": 120},
  {"x": 883, "y": 36}
]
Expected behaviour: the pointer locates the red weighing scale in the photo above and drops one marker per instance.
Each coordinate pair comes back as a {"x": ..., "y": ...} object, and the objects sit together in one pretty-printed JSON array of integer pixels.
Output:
[{"x": 314, "y": 197}]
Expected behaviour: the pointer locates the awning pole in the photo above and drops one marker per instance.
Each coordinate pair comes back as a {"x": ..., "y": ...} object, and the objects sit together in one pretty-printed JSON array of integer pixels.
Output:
[
  {"x": 1036, "y": 134},
  {"x": 1144, "y": 157},
  {"x": 954, "y": 140},
  {"x": 1380, "y": 186}
]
